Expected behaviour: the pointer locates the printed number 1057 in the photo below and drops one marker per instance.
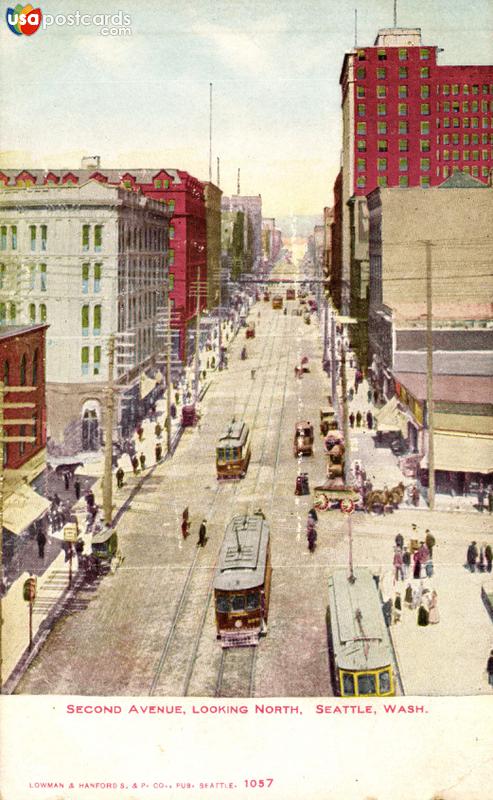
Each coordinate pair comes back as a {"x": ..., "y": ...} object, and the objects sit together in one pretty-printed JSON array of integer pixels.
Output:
[{"x": 260, "y": 783}]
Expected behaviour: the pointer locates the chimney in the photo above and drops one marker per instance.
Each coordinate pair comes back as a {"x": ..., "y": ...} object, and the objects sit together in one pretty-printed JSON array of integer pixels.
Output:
[{"x": 90, "y": 162}]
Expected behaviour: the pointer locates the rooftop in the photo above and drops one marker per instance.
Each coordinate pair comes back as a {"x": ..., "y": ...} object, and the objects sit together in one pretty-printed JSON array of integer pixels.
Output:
[{"x": 449, "y": 388}]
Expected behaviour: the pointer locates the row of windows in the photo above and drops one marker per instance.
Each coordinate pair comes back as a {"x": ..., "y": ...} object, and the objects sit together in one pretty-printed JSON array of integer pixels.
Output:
[
  {"x": 425, "y": 125},
  {"x": 424, "y": 54},
  {"x": 383, "y": 145},
  {"x": 97, "y": 272},
  {"x": 402, "y": 109},
  {"x": 146, "y": 238},
  {"x": 456, "y": 88},
  {"x": 97, "y": 238},
  {"x": 424, "y": 181},
  {"x": 96, "y": 328},
  {"x": 8, "y": 313},
  {"x": 403, "y": 145},
  {"x": 402, "y": 91},
  {"x": 23, "y": 370},
  {"x": 465, "y": 122},
  {"x": 38, "y": 236},
  {"x": 41, "y": 313},
  {"x": 5, "y": 239},
  {"x": 96, "y": 360},
  {"x": 466, "y": 155},
  {"x": 466, "y": 106}
]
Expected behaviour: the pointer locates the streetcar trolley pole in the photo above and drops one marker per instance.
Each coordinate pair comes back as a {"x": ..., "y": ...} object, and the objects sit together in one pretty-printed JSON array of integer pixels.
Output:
[
  {"x": 347, "y": 508},
  {"x": 70, "y": 534},
  {"x": 29, "y": 594}
]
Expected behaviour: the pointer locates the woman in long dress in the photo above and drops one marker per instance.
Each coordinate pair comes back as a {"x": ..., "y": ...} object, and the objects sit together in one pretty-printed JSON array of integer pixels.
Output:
[{"x": 434, "y": 616}]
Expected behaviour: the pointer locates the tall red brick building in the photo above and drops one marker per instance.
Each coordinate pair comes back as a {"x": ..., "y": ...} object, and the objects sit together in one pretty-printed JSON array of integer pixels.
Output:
[{"x": 407, "y": 122}]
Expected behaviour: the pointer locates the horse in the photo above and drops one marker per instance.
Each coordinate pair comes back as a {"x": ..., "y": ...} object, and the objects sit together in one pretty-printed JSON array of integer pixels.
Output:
[
  {"x": 377, "y": 497},
  {"x": 397, "y": 494}
]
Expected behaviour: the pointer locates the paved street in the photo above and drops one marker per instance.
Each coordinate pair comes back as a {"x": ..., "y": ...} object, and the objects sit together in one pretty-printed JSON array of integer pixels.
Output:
[{"x": 149, "y": 629}]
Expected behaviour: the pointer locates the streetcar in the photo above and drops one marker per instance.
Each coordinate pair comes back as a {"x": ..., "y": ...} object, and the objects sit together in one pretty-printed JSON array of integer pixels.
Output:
[
  {"x": 242, "y": 582},
  {"x": 233, "y": 451},
  {"x": 360, "y": 652},
  {"x": 277, "y": 301}
]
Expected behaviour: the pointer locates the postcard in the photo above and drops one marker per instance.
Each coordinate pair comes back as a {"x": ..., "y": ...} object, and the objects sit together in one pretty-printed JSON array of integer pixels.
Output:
[{"x": 246, "y": 348}]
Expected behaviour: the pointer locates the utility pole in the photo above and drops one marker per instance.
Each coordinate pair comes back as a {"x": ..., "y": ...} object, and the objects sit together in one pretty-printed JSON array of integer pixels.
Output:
[
  {"x": 333, "y": 365},
  {"x": 238, "y": 184},
  {"x": 429, "y": 378},
  {"x": 197, "y": 342},
  {"x": 168, "y": 372},
  {"x": 326, "y": 327},
  {"x": 4, "y": 439},
  {"x": 345, "y": 417},
  {"x": 108, "y": 446}
]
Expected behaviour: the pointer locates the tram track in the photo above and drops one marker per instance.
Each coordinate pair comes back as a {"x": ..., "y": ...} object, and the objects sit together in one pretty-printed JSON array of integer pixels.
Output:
[
  {"x": 196, "y": 592},
  {"x": 236, "y": 671}
]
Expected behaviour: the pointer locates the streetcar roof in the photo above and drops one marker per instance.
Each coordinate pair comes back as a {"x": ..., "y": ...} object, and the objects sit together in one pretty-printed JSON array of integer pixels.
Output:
[
  {"x": 359, "y": 636},
  {"x": 235, "y": 434},
  {"x": 243, "y": 554}
]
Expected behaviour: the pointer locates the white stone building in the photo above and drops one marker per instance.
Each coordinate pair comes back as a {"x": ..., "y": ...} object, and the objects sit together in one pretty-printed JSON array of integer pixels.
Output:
[{"x": 90, "y": 261}]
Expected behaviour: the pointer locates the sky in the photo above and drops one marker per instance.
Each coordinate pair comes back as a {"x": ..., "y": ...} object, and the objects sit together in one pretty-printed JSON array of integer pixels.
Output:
[{"x": 143, "y": 99}]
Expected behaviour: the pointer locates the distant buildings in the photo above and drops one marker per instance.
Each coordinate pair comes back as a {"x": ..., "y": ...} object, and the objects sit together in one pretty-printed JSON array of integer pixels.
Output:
[
  {"x": 90, "y": 260},
  {"x": 242, "y": 233},
  {"x": 271, "y": 242}
]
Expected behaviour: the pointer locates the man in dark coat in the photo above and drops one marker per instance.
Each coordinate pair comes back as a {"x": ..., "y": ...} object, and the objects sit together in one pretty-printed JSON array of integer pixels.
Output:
[
  {"x": 142, "y": 460},
  {"x": 399, "y": 540},
  {"x": 430, "y": 541},
  {"x": 489, "y": 668},
  {"x": 66, "y": 480},
  {"x": 77, "y": 488},
  {"x": 119, "y": 477},
  {"x": 158, "y": 451},
  {"x": 41, "y": 540},
  {"x": 472, "y": 555},
  {"x": 369, "y": 420},
  {"x": 351, "y": 419},
  {"x": 135, "y": 464},
  {"x": 202, "y": 533}
]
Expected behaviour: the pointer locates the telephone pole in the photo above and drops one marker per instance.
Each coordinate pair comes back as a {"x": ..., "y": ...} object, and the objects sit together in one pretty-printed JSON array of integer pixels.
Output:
[
  {"x": 429, "y": 377},
  {"x": 108, "y": 446},
  {"x": 168, "y": 372},
  {"x": 4, "y": 439},
  {"x": 197, "y": 341}
]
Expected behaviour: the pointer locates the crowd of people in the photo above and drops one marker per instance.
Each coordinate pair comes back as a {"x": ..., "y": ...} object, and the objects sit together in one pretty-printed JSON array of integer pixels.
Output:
[{"x": 414, "y": 564}]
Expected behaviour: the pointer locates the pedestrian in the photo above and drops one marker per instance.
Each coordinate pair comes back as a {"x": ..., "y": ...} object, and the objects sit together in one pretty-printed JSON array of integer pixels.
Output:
[
  {"x": 89, "y": 498},
  {"x": 471, "y": 556},
  {"x": 351, "y": 419},
  {"x": 406, "y": 562},
  {"x": 397, "y": 607},
  {"x": 399, "y": 541},
  {"x": 172, "y": 411},
  {"x": 158, "y": 451},
  {"x": 490, "y": 499},
  {"x": 41, "y": 540},
  {"x": 430, "y": 541},
  {"x": 77, "y": 489},
  {"x": 488, "y": 554},
  {"x": 135, "y": 464},
  {"x": 481, "y": 496},
  {"x": 66, "y": 481},
  {"x": 369, "y": 420},
  {"x": 481, "y": 559},
  {"x": 408, "y": 597},
  {"x": 351, "y": 395},
  {"x": 375, "y": 397},
  {"x": 417, "y": 565},
  {"x": 140, "y": 433},
  {"x": 417, "y": 595},
  {"x": 79, "y": 549},
  {"x": 424, "y": 553},
  {"x": 119, "y": 477},
  {"x": 415, "y": 496},
  {"x": 369, "y": 395},
  {"x": 313, "y": 515},
  {"x": 142, "y": 460},
  {"x": 428, "y": 565},
  {"x": 358, "y": 419},
  {"x": 158, "y": 430},
  {"x": 423, "y": 616},
  {"x": 177, "y": 398},
  {"x": 489, "y": 668},
  {"x": 397, "y": 562},
  {"x": 202, "y": 533},
  {"x": 311, "y": 535},
  {"x": 433, "y": 615}
]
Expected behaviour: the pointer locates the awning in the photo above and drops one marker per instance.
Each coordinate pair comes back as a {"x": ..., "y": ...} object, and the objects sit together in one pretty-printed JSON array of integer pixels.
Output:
[
  {"x": 22, "y": 507},
  {"x": 455, "y": 452},
  {"x": 392, "y": 418},
  {"x": 146, "y": 385}
]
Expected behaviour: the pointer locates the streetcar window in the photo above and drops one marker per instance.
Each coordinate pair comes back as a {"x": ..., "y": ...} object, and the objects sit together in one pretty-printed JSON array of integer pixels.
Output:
[
  {"x": 227, "y": 453},
  {"x": 235, "y": 453},
  {"x": 347, "y": 683},
  {"x": 222, "y": 603},
  {"x": 252, "y": 600},
  {"x": 384, "y": 681},
  {"x": 367, "y": 683},
  {"x": 220, "y": 454},
  {"x": 238, "y": 603}
]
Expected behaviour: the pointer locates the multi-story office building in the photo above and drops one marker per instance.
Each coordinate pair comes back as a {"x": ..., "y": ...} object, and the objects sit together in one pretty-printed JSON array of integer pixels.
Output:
[
  {"x": 90, "y": 260},
  {"x": 407, "y": 122},
  {"x": 251, "y": 207},
  {"x": 213, "y": 229}
]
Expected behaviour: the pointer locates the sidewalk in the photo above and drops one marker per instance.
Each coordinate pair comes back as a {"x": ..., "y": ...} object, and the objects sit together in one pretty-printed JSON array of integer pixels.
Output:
[{"x": 54, "y": 592}]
